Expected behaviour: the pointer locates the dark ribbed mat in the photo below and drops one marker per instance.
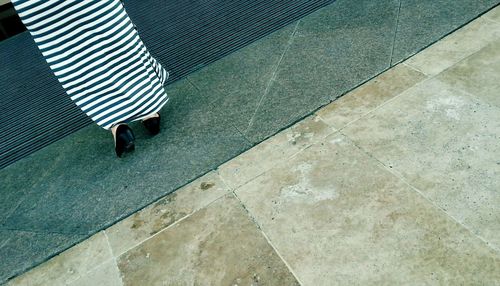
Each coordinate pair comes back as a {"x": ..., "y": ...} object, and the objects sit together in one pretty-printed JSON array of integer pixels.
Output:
[{"x": 184, "y": 35}]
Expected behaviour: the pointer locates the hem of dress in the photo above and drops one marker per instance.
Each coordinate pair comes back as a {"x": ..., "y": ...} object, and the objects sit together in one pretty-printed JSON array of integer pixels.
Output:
[{"x": 138, "y": 117}]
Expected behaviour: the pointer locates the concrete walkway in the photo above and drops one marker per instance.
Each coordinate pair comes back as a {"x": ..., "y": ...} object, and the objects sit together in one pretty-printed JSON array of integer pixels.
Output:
[{"x": 396, "y": 183}]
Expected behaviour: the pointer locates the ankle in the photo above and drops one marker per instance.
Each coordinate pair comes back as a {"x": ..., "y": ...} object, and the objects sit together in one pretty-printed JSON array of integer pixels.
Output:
[
  {"x": 153, "y": 115},
  {"x": 115, "y": 128}
]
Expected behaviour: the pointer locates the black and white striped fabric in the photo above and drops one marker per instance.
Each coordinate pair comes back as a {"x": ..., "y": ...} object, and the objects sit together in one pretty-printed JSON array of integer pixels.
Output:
[{"x": 95, "y": 52}]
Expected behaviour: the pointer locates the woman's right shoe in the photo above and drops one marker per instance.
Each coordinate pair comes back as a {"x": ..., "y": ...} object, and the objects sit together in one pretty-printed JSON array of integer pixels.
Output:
[
  {"x": 152, "y": 124},
  {"x": 124, "y": 140}
]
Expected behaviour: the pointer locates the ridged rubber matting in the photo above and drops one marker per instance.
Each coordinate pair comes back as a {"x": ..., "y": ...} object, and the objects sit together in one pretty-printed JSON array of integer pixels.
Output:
[{"x": 184, "y": 35}]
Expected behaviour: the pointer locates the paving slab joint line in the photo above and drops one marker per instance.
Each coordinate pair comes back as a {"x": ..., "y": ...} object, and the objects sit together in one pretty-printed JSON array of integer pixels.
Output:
[
  {"x": 231, "y": 190},
  {"x": 97, "y": 265},
  {"x": 268, "y": 239},
  {"x": 116, "y": 255},
  {"x": 109, "y": 244},
  {"x": 416, "y": 190},
  {"x": 491, "y": 20},
  {"x": 273, "y": 76},
  {"x": 333, "y": 131},
  {"x": 402, "y": 93},
  {"x": 474, "y": 52},
  {"x": 150, "y": 237},
  {"x": 371, "y": 77},
  {"x": 475, "y": 97},
  {"x": 73, "y": 279},
  {"x": 447, "y": 34},
  {"x": 5, "y": 242},
  {"x": 431, "y": 77},
  {"x": 395, "y": 34},
  {"x": 312, "y": 112},
  {"x": 113, "y": 257},
  {"x": 466, "y": 58},
  {"x": 405, "y": 63}
]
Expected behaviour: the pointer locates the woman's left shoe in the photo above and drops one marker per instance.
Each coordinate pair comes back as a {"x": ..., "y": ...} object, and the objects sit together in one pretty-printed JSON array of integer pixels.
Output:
[
  {"x": 124, "y": 140},
  {"x": 152, "y": 124}
]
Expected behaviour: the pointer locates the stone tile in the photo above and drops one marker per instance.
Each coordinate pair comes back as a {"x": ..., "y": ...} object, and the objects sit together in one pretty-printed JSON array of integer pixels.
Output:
[
  {"x": 494, "y": 14},
  {"x": 69, "y": 265},
  {"x": 369, "y": 96},
  {"x": 332, "y": 51},
  {"x": 253, "y": 64},
  {"x": 10, "y": 198},
  {"x": 22, "y": 250},
  {"x": 106, "y": 275},
  {"x": 218, "y": 245},
  {"x": 478, "y": 74},
  {"x": 332, "y": 211},
  {"x": 267, "y": 154},
  {"x": 85, "y": 187},
  {"x": 445, "y": 143},
  {"x": 143, "y": 224},
  {"x": 236, "y": 83},
  {"x": 423, "y": 22},
  {"x": 456, "y": 47},
  {"x": 16, "y": 182},
  {"x": 341, "y": 46}
]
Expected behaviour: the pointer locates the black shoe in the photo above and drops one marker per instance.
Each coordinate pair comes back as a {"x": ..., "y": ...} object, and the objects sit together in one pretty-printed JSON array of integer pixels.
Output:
[
  {"x": 124, "y": 140},
  {"x": 152, "y": 124}
]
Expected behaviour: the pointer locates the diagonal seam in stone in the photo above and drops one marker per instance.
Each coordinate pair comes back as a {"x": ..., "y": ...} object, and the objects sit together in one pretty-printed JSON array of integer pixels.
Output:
[
  {"x": 395, "y": 33},
  {"x": 443, "y": 212},
  {"x": 273, "y": 77},
  {"x": 5, "y": 243}
]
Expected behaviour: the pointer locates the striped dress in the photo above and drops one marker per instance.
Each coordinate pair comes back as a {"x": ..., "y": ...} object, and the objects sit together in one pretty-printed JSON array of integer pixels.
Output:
[{"x": 95, "y": 52}]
